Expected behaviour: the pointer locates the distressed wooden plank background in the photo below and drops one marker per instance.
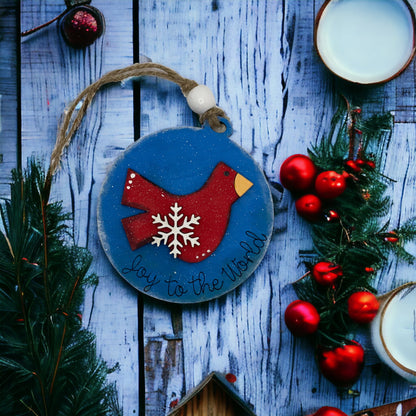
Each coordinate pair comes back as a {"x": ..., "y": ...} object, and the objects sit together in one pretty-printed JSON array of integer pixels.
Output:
[
  {"x": 258, "y": 58},
  {"x": 52, "y": 74},
  {"x": 9, "y": 111}
]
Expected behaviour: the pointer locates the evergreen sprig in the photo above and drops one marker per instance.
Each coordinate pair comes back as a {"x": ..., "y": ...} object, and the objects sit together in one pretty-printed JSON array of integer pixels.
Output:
[
  {"x": 357, "y": 240},
  {"x": 48, "y": 361}
]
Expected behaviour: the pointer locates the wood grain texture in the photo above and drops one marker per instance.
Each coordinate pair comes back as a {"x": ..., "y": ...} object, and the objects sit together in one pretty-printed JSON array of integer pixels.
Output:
[
  {"x": 390, "y": 409},
  {"x": 210, "y": 401},
  {"x": 52, "y": 75},
  {"x": 9, "y": 125},
  {"x": 213, "y": 396},
  {"x": 258, "y": 57}
]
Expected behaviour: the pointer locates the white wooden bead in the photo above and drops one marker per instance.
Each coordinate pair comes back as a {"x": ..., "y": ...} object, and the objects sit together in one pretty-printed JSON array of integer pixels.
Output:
[{"x": 200, "y": 99}]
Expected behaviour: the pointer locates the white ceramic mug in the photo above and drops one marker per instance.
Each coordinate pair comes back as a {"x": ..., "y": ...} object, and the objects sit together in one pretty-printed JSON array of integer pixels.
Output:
[
  {"x": 393, "y": 331},
  {"x": 365, "y": 41}
]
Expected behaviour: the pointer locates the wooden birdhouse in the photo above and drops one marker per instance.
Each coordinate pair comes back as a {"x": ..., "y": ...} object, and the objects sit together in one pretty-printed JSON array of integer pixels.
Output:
[{"x": 213, "y": 396}]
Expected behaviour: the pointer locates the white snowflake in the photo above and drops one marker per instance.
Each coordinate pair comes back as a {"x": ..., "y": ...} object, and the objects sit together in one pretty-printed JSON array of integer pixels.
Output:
[{"x": 171, "y": 233}]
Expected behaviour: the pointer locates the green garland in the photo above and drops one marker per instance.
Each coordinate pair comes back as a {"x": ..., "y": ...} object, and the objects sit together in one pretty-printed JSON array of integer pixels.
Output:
[
  {"x": 48, "y": 361},
  {"x": 357, "y": 239}
]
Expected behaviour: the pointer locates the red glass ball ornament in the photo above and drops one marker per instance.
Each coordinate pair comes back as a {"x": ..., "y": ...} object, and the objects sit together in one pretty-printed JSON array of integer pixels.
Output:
[
  {"x": 301, "y": 318},
  {"x": 329, "y": 411},
  {"x": 325, "y": 273},
  {"x": 342, "y": 366},
  {"x": 362, "y": 307},
  {"x": 392, "y": 238},
  {"x": 330, "y": 184},
  {"x": 81, "y": 26},
  {"x": 369, "y": 270},
  {"x": 298, "y": 173},
  {"x": 360, "y": 162},
  {"x": 353, "y": 165},
  {"x": 231, "y": 378},
  {"x": 332, "y": 216},
  {"x": 309, "y": 207},
  {"x": 371, "y": 164}
]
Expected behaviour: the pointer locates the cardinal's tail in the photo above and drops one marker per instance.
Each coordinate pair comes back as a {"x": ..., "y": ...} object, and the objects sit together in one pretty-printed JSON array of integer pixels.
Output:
[
  {"x": 140, "y": 193},
  {"x": 139, "y": 229}
]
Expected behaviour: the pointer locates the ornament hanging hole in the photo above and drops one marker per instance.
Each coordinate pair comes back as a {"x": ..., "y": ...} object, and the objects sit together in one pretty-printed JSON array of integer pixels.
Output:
[{"x": 225, "y": 127}]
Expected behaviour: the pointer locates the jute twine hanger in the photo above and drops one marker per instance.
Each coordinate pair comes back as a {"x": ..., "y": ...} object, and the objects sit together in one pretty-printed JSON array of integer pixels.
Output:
[{"x": 71, "y": 123}]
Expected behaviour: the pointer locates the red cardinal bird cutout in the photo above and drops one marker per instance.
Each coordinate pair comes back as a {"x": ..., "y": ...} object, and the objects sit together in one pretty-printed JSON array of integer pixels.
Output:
[{"x": 193, "y": 225}]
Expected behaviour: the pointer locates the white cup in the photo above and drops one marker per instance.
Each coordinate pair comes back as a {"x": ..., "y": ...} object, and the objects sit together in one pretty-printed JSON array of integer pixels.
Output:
[
  {"x": 365, "y": 41},
  {"x": 393, "y": 331}
]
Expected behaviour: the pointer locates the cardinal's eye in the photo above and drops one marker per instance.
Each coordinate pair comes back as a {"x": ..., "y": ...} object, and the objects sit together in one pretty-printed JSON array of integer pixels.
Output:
[{"x": 226, "y": 173}]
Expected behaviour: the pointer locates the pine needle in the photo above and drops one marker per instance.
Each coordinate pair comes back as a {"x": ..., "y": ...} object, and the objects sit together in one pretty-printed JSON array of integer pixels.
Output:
[
  {"x": 48, "y": 361},
  {"x": 356, "y": 241}
]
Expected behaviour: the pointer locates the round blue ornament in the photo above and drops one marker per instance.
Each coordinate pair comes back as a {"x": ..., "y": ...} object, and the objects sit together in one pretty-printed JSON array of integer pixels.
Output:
[{"x": 185, "y": 215}]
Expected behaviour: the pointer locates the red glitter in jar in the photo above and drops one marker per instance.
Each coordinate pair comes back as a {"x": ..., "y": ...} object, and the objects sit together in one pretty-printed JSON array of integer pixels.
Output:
[
  {"x": 83, "y": 20},
  {"x": 81, "y": 26}
]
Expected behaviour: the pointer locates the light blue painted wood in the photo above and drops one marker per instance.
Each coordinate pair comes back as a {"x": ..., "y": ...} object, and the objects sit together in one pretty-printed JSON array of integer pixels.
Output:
[
  {"x": 258, "y": 58},
  {"x": 8, "y": 93},
  {"x": 52, "y": 75}
]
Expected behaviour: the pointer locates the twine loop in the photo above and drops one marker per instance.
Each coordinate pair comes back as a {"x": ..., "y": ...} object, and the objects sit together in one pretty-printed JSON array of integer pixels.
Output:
[{"x": 71, "y": 123}]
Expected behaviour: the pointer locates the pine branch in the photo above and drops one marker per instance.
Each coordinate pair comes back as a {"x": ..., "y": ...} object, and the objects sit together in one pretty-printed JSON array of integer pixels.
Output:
[
  {"x": 355, "y": 241},
  {"x": 48, "y": 361}
]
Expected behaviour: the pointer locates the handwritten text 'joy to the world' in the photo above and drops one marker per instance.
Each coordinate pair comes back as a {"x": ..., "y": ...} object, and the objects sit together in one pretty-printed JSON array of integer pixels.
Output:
[{"x": 201, "y": 283}]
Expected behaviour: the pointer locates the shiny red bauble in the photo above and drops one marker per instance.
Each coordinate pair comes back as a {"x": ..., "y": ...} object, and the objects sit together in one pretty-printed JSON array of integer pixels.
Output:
[
  {"x": 330, "y": 184},
  {"x": 354, "y": 165},
  {"x": 362, "y": 307},
  {"x": 298, "y": 173},
  {"x": 360, "y": 163},
  {"x": 392, "y": 237},
  {"x": 81, "y": 26},
  {"x": 325, "y": 273},
  {"x": 309, "y": 207},
  {"x": 342, "y": 366},
  {"x": 301, "y": 318},
  {"x": 332, "y": 216},
  {"x": 329, "y": 411}
]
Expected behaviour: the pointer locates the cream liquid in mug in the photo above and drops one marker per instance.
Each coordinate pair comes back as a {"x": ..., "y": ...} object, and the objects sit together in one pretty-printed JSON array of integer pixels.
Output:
[
  {"x": 365, "y": 41},
  {"x": 398, "y": 328}
]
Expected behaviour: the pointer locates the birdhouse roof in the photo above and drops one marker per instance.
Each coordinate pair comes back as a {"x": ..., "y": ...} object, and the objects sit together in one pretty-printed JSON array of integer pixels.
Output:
[{"x": 224, "y": 385}]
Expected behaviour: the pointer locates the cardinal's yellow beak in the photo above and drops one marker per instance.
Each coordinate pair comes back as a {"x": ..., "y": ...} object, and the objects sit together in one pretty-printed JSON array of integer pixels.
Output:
[{"x": 241, "y": 184}]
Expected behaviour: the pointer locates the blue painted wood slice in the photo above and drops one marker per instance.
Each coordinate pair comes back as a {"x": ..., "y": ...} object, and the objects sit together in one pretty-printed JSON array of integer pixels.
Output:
[{"x": 185, "y": 215}]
